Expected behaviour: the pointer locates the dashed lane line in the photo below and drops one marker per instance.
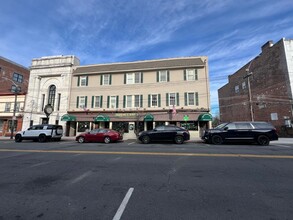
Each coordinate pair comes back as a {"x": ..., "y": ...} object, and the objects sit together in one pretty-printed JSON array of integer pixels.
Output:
[
  {"x": 123, "y": 205},
  {"x": 150, "y": 153}
]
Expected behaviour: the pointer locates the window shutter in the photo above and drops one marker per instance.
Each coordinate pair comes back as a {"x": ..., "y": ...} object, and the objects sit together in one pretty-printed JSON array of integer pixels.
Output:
[
  {"x": 149, "y": 100},
  {"x": 196, "y": 98},
  {"x": 101, "y": 80},
  {"x": 86, "y": 80},
  {"x": 110, "y": 80},
  {"x": 101, "y": 101},
  {"x": 124, "y": 101},
  {"x": 158, "y": 75},
  {"x": 184, "y": 75},
  {"x": 117, "y": 101},
  {"x": 93, "y": 101},
  {"x": 78, "y": 80},
  {"x": 108, "y": 101},
  {"x": 168, "y": 76},
  {"x": 167, "y": 99},
  {"x": 77, "y": 101},
  {"x": 141, "y": 101},
  {"x": 124, "y": 78},
  {"x": 196, "y": 76},
  {"x": 185, "y": 98},
  {"x": 85, "y": 104},
  {"x": 141, "y": 77},
  {"x": 159, "y": 100},
  {"x": 177, "y": 99}
]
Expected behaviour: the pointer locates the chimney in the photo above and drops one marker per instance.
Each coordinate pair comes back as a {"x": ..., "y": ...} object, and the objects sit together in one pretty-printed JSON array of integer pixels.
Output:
[{"x": 267, "y": 45}]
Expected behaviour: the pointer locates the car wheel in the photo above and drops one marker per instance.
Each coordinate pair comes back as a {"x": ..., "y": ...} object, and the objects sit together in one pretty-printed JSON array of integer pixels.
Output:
[
  {"x": 18, "y": 138},
  {"x": 145, "y": 139},
  {"x": 107, "y": 140},
  {"x": 80, "y": 140},
  {"x": 42, "y": 138},
  {"x": 263, "y": 140},
  {"x": 179, "y": 140},
  {"x": 217, "y": 139}
]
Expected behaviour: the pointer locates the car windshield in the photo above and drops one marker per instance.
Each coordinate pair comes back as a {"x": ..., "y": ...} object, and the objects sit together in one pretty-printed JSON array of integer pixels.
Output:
[{"x": 220, "y": 126}]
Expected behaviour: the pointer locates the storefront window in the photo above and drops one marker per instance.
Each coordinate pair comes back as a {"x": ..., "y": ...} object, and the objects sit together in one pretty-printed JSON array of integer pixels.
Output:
[
  {"x": 121, "y": 126},
  {"x": 83, "y": 126},
  {"x": 158, "y": 123},
  {"x": 191, "y": 126}
]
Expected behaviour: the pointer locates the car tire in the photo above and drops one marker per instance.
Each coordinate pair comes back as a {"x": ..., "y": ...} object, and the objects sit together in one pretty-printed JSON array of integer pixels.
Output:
[
  {"x": 145, "y": 139},
  {"x": 18, "y": 138},
  {"x": 179, "y": 140},
  {"x": 80, "y": 140},
  {"x": 42, "y": 138},
  {"x": 217, "y": 139},
  {"x": 263, "y": 140},
  {"x": 107, "y": 140}
]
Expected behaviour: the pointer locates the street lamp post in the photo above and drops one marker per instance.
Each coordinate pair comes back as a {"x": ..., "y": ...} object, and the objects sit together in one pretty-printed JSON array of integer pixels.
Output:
[
  {"x": 248, "y": 75},
  {"x": 17, "y": 89}
]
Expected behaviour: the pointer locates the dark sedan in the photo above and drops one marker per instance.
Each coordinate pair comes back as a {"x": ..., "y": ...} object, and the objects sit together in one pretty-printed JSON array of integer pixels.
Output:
[
  {"x": 254, "y": 132},
  {"x": 99, "y": 135},
  {"x": 165, "y": 133}
]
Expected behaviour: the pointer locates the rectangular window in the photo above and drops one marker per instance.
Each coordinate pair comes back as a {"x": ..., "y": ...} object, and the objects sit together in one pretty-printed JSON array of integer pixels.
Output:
[
  {"x": 172, "y": 99},
  {"x": 190, "y": 98},
  {"x": 7, "y": 107},
  {"x": 82, "y": 101},
  {"x": 191, "y": 74},
  {"x": 83, "y": 81},
  {"x": 106, "y": 79},
  {"x": 133, "y": 78},
  {"x": 129, "y": 101},
  {"x": 154, "y": 100},
  {"x": 113, "y": 101},
  {"x": 17, "y": 107},
  {"x": 137, "y": 101},
  {"x": 17, "y": 77},
  {"x": 237, "y": 89},
  {"x": 98, "y": 102},
  {"x": 243, "y": 85},
  {"x": 163, "y": 76},
  {"x": 134, "y": 101}
]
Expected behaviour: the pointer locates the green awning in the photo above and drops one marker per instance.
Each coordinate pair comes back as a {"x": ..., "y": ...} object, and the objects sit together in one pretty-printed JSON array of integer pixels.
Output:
[
  {"x": 101, "y": 118},
  {"x": 205, "y": 117},
  {"x": 68, "y": 117},
  {"x": 148, "y": 117}
]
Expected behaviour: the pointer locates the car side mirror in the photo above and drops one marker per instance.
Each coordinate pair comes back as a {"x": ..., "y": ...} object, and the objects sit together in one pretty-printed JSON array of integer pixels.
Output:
[{"x": 226, "y": 128}]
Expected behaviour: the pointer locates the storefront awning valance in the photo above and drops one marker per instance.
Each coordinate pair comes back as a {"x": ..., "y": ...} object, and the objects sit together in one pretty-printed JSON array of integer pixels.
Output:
[
  {"x": 205, "y": 117},
  {"x": 101, "y": 118},
  {"x": 68, "y": 117},
  {"x": 148, "y": 117}
]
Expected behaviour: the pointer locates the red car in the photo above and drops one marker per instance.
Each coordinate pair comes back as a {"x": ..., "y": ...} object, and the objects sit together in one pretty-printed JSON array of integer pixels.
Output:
[{"x": 99, "y": 135}]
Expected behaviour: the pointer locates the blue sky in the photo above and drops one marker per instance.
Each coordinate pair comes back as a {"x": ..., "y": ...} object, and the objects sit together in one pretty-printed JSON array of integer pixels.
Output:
[{"x": 229, "y": 32}]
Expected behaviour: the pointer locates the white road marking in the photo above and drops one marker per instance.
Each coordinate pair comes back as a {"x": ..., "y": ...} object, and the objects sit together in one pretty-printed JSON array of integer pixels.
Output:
[
  {"x": 123, "y": 205},
  {"x": 282, "y": 146},
  {"x": 39, "y": 164},
  {"x": 81, "y": 177},
  {"x": 131, "y": 143}
]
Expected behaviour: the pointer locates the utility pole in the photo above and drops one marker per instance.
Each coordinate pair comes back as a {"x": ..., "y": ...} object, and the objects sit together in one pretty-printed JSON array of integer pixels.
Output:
[{"x": 248, "y": 75}]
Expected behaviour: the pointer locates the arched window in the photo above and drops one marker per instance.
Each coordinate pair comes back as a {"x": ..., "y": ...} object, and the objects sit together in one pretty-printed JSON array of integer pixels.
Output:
[{"x": 51, "y": 97}]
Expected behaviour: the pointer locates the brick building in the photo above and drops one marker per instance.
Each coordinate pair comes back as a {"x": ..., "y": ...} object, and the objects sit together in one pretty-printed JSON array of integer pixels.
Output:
[
  {"x": 14, "y": 83},
  {"x": 262, "y": 89}
]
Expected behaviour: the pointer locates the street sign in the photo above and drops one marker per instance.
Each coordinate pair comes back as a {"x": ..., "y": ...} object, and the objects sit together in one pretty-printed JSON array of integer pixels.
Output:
[{"x": 185, "y": 118}]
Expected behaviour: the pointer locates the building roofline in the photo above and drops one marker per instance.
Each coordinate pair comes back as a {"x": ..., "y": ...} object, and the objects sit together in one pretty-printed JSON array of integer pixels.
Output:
[{"x": 12, "y": 62}]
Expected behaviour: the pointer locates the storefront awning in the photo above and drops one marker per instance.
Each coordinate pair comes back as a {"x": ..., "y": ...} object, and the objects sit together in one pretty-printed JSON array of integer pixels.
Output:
[
  {"x": 205, "y": 117},
  {"x": 101, "y": 118},
  {"x": 148, "y": 117},
  {"x": 68, "y": 117}
]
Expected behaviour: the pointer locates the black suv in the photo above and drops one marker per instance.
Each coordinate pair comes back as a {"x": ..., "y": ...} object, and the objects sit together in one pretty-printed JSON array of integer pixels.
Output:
[
  {"x": 165, "y": 133},
  {"x": 256, "y": 132}
]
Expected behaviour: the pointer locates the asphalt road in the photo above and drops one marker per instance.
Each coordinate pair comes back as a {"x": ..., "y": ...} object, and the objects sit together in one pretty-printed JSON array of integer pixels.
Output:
[{"x": 128, "y": 180}]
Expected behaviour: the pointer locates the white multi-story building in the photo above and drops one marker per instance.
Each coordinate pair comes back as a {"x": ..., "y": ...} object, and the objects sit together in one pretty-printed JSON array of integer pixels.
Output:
[{"x": 49, "y": 84}]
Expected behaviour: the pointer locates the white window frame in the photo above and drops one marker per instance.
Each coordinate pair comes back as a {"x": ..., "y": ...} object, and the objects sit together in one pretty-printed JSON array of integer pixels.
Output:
[
  {"x": 136, "y": 101},
  {"x": 163, "y": 76},
  {"x": 133, "y": 101},
  {"x": 154, "y": 103},
  {"x": 83, "y": 80},
  {"x": 7, "y": 107},
  {"x": 133, "y": 78},
  {"x": 106, "y": 79},
  {"x": 113, "y": 101},
  {"x": 243, "y": 85},
  {"x": 129, "y": 100},
  {"x": 82, "y": 101},
  {"x": 190, "y": 75},
  {"x": 175, "y": 97},
  {"x": 97, "y": 101},
  {"x": 189, "y": 96}
]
